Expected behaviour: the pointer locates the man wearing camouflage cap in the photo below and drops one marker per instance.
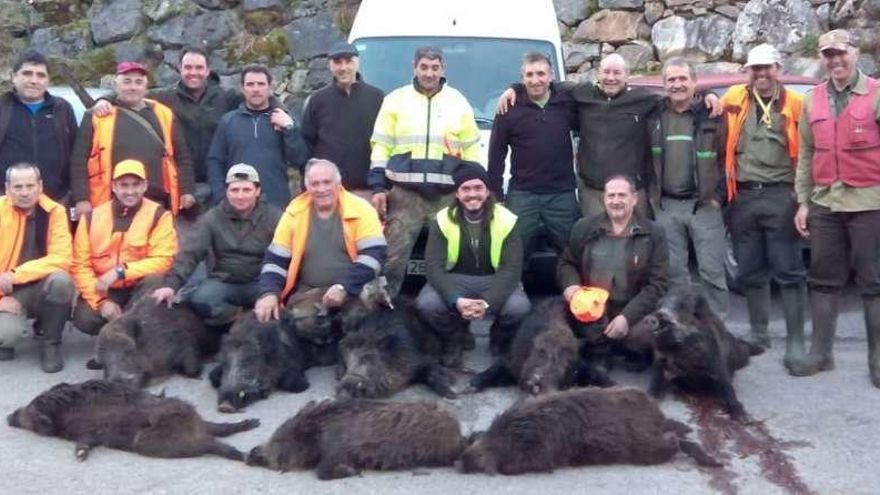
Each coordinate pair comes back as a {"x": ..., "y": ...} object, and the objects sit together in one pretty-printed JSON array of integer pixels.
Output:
[{"x": 838, "y": 189}]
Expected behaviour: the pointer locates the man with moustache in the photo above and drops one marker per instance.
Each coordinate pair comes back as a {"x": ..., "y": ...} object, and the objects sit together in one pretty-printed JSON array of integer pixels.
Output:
[
  {"x": 234, "y": 235},
  {"x": 423, "y": 131},
  {"x": 838, "y": 191},
  {"x": 612, "y": 120},
  {"x": 327, "y": 237},
  {"x": 621, "y": 253},
  {"x": 760, "y": 159},
  {"x": 121, "y": 250},
  {"x": 338, "y": 119},
  {"x": 474, "y": 261},
  {"x": 687, "y": 148},
  {"x": 261, "y": 133},
  {"x": 537, "y": 129},
  {"x": 139, "y": 129}
]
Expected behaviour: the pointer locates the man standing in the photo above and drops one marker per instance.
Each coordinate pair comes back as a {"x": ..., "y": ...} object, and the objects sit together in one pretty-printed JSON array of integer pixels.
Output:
[
  {"x": 236, "y": 234},
  {"x": 538, "y": 131},
  {"x": 34, "y": 258},
  {"x": 474, "y": 261},
  {"x": 612, "y": 119},
  {"x": 838, "y": 188},
  {"x": 327, "y": 237},
  {"x": 422, "y": 132},
  {"x": 338, "y": 119},
  {"x": 684, "y": 191},
  {"x": 259, "y": 133},
  {"x": 760, "y": 158},
  {"x": 135, "y": 129},
  {"x": 121, "y": 250},
  {"x": 198, "y": 103},
  {"x": 36, "y": 127},
  {"x": 621, "y": 253}
]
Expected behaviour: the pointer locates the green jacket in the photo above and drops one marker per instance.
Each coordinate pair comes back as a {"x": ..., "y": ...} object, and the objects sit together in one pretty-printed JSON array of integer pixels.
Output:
[{"x": 648, "y": 272}]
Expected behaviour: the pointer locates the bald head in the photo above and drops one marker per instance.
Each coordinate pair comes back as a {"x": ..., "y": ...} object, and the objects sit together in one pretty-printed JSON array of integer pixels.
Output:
[{"x": 612, "y": 74}]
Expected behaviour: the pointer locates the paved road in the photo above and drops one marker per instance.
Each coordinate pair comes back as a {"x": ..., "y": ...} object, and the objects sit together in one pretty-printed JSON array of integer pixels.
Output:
[{"x": 815, "y": 435}]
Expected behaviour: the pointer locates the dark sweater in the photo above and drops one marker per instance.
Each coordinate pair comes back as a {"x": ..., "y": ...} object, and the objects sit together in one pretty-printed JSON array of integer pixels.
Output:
[
  {"x": 132, "y": 141},
  {"x": 236, "y": 244},
  {"x": 504, "y": 280},
  {"x": 540, "y": 143},
  {"x": 198, "y": 118},
  {"x": 44, "y": 138},
  {"x": 244, "y": 136},
  {"x": 337, "y": 126}
]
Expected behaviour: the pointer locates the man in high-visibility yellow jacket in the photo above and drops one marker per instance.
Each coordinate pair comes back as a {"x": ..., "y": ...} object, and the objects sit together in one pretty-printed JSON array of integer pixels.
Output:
[
  {"x": 474, "y": 261},
  {"x": 422, "y": 132}
]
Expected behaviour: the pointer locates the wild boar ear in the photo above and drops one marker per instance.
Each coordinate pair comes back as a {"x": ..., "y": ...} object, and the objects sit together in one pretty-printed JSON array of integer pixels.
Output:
[
  {"x": 43, "y": 424},
  {"x": 322, "y": 310}
]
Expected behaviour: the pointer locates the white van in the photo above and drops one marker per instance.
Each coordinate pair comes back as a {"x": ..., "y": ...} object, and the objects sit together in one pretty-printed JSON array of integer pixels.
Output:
[{"x": 483, "y": 42}]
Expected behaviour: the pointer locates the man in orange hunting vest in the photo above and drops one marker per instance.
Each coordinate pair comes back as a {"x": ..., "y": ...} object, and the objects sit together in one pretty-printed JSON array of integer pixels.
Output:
[
  {"x": 136, "y": 128},
  {"x": 121, "y": 250}
]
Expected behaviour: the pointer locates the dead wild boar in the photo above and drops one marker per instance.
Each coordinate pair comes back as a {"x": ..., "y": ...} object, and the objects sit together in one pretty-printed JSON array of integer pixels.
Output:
[
  {"x": 256, "y": 358},
  {"x": 695, "y": 352},
  {"x": 543, "y": 355},
  {"x": 341, "y": 438},
  {"x": 388, "y": 351},
  {"x": 152, "y": 341},
  {"x": 111, "y": 414},
  {"x": 576, "y": 428}
]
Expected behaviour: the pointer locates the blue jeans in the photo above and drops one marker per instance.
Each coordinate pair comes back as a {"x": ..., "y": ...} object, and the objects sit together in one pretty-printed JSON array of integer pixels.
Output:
[{"x": 213, "y": 298}]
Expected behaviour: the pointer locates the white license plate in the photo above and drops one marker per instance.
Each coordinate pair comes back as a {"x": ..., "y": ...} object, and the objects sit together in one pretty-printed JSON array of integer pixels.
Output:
[{"x": 415, "y": 267}]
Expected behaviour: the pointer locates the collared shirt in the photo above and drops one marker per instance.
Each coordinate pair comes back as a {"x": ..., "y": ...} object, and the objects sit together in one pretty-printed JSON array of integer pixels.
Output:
[
  {"x": 837, "y": 196},
  {"x": 762, "y": 151}
]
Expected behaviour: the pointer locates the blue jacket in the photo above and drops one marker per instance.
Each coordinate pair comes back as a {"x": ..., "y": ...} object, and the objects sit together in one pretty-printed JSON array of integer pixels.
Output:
[{"x": 243, "y": 136}]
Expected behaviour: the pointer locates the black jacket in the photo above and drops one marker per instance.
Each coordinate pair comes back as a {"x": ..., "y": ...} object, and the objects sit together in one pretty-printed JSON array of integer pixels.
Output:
[
  {"x": 45, "y": 139},
  {"x": 613, "y": 133},
  {"x": 236, "y": 245},
  {"x": 540, "y": 142},
  {"x": 243, "y": 136},
  {"x": 198, "y": 118},
  {"x": 337, "y": 126},
  {"x": 648, "y": 262}
]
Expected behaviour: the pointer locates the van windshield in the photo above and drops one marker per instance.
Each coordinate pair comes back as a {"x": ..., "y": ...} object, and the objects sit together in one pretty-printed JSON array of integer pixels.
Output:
[{"x": 481, "y": 68}]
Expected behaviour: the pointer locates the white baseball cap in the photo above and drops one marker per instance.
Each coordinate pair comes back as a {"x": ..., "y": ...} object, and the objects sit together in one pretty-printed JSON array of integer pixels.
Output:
[{"x": 763, "y": 54}]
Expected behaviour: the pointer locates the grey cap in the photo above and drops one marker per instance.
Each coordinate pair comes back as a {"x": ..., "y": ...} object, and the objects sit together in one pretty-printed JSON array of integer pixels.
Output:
[
  {"x": 242, "y": 171},
  {"x": 342, "y": 49}
]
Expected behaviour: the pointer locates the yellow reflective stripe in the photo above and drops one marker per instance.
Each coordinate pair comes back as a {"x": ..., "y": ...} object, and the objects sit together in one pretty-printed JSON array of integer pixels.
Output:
[{"x": 419, "y": 177}]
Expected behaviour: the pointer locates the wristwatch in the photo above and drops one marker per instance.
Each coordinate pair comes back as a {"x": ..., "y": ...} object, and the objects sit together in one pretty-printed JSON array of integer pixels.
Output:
[{"x": 120, "y": 273}]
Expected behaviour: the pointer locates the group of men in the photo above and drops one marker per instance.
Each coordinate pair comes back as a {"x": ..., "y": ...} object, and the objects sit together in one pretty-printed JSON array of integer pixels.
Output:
[{"x": 653, "y": 175}]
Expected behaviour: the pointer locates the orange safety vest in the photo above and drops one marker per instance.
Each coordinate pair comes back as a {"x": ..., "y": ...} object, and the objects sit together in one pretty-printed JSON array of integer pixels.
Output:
[
  {"x": 111, "y": 249},
  {"x": 736, "y": 107},
  {"x": 100, "y": 164}
]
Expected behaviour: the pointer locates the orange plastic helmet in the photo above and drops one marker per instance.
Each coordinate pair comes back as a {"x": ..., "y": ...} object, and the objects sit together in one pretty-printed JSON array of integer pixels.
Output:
[{"x": 588, "y": 304}]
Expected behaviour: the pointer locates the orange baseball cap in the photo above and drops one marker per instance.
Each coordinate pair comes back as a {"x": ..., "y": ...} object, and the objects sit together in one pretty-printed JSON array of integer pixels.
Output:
[
  {"x": 588, "y": 304},
  {"x": 129, "y": 167}
]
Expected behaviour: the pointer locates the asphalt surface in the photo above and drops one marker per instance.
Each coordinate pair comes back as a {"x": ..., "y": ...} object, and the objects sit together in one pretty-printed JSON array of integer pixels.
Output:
[{"x": 812, "y": 435}]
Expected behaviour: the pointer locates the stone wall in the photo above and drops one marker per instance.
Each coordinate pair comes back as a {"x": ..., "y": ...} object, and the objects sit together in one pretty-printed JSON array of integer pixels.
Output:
[{"x": 292, "y": 36}]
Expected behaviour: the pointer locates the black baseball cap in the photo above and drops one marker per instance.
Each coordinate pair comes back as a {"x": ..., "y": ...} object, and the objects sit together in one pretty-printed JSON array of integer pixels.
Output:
[{"x": 342, "y": 49}]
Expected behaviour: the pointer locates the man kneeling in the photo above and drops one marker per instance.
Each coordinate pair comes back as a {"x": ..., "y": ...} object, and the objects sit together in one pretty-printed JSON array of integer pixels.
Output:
[
  {"x": 236, "y": 234},
  {"x": 473, "y": 264}
]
